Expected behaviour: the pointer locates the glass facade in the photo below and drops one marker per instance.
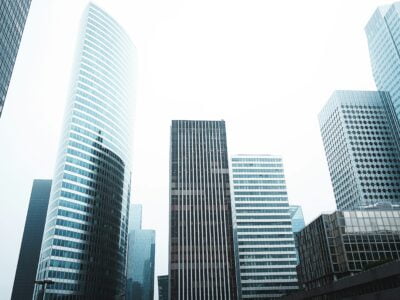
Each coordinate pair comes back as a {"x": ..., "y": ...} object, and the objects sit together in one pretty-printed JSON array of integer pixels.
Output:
[
  {"x": 296, "y": 214},
  {"x": 31, "y": 240},
  {"x": 135, "y": 217},
  {"x": 13, "y": 16},
  {"x": 163, "y": 287},
  {"x": 383, "y": 34},
  {"x": 201, "y": 257},
  {"x": 346, "y": 242},
  {"x": 360, "y": 133},
  {"x": 141, "y": 253},
  {"x": 140, "y": 272},
  {"x": 266, "y": 248},
  {"x": 85, "y": 240}
]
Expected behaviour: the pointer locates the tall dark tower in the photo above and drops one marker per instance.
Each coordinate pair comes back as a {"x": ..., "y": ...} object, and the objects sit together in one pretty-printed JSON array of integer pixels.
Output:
[
  {"x": 201, "y": 249},
  {"x": 12, "y": 22},
  {"x": 31, "y": 241}
]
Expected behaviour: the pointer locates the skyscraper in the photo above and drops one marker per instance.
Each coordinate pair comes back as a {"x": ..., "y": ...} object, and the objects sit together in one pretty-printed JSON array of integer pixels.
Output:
[
  {"x": 360, "y": 133},
  {"x": 201, "y": 257},
  {"x": 296, "y": 215},
  {"x": 140, "y": 273},
  {"x": 267, "y": 254},
  {"x": 84, "y": 245},
  {"x": 32, "y": 239},
  {"x": 141, "y": 254},
  {"x": 163, "y": 287},
  {"x": 383, "y": 42},
  {"x": 13, "y": 16}
]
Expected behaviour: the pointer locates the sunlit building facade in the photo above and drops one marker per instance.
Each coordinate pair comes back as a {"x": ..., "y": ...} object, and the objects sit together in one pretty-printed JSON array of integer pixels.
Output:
[
  {"x": 84, "y": 246},
  {"x": 13, "y": 16},
  {"x": 266, "y": 248},
  {"x": 360, "y": 132}
]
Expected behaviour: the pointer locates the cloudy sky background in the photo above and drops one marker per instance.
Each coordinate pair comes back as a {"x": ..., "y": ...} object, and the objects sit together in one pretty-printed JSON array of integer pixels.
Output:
[{"x": 265, "y": 67}]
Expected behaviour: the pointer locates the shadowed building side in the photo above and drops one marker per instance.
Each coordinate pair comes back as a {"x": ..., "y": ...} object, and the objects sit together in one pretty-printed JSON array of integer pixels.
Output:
[{"x": 31, "y": 241}]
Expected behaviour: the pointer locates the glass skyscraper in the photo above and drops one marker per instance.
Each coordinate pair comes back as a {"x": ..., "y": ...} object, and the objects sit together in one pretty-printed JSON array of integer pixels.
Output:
[
  {"x": 135, "y": 217},
  {"x": 85, "y": 240},
  {"x": 25, "y": 274},
  {"x": 296, "y": 214},
  {"x": 141, "y": 255},
  {"x": 163, "y": 287},
  {"x": 267, "y": 254},
  {"x": 383, "y": 34},
  {"x": 201, "y": 249},
  {"x": 360, "y": 132},
  {"x": 13, "y": 16}
]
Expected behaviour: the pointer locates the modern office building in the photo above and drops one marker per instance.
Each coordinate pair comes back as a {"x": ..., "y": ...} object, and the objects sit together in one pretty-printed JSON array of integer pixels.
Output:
[
  {"x": 360, "y": 133},
  {"x": 267, "y": 255},
  {"x": 84, "y": 247},
  {"x": 383, "y": 34},
  {"x": 346, "y": 242},
  {"x": 296, "y": 215},
  {"x": 13, "y": 16},
  {"x": 163, "y": 287},
  {"x": 31, "y": 241},
  {"x": 140, "y": 273},
  {"x": 141, "y": 255},
  {"x": 201, "y": 250},
  {"x": 135, "y": 217}
]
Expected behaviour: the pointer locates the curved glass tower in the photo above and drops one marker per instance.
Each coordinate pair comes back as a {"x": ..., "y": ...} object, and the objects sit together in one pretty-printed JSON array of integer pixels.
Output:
[{"x": 84, "y": 244}]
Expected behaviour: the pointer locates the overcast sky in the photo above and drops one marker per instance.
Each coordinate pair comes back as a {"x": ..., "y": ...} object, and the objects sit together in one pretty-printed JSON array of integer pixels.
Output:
[{"x": 265, "y": 67}]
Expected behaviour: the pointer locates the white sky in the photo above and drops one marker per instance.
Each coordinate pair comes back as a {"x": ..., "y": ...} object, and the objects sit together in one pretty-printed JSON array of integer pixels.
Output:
[{"x": 265, "y": 67}]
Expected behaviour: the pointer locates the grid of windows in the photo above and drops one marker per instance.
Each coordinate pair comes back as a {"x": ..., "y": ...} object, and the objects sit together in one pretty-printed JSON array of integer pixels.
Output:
[
  {"x": 264, "y": 234},
  {"x": 85, "y": 240},
  {"x": 360, "y": 134},
  {"x": 383, "y": 34},
  {"x": 13, "y": 16},
  {"x": 346, "y": 242},
  {"x": 201, "y": 258}
]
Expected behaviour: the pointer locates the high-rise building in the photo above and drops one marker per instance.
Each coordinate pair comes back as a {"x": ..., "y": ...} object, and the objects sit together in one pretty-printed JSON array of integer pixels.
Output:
[
  {"x": 296, "y": 215},
  {"x": 201, "y": 257},
  {"x": 31, "y": 240},
  {"x": 267, "y": 254},
  {"x": 135, "y": 217},
  {"x": 343, "y": 243},
  {"x": 360, "y": 133},
  {"x": 140, "y": 273},
  {"x": 383, "y": 34},
  {"x": 141, "y": 255},
  {"x": 163, "y": 287},
  {"x": 13, "y": 16},
  {"x": 85, "y": 242}
]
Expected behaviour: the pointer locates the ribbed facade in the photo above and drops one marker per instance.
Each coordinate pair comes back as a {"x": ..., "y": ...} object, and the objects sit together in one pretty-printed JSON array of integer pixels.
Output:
[
  {"x": 383, "y": 34},
  {"x": 85, "y": 240},
  {"x": 201, "y": 252},
  {"x": 360, "y": 133},
  {"x": 267, "y": 254},
  {"x": 13, "y": 16}
]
